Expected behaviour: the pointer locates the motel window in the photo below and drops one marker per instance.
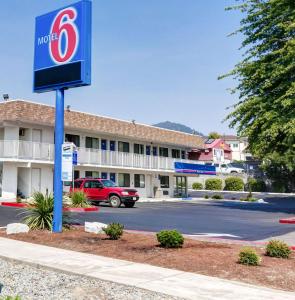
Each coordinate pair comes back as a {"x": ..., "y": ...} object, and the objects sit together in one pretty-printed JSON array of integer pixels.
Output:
[
  {"x": 155, "y": 151},
  {"x": 103, "y": 144},
  {"x": 76, "y": 174},
  {"x": 164, "y": 181},
  {"x": 112, "y": 145},
  {"x": 91, "y": 174},
  {"x": 92, "y": 142},
  {"x": 182, "y": 154},
  {"x": 163, "y": 152},
  {"x": 104, "y": 175},
  {"x": 72, "y": 138},
  {"x": 113, "y": 177},
  {"x": 148, "y": 150},
  {"x": 175, "y": 153},
  {"x": 139, "y": 180},
  {"x": 123, "y": 147},
  {"x": 138, "y": 149},
  {"x": 124, "y": 180}
]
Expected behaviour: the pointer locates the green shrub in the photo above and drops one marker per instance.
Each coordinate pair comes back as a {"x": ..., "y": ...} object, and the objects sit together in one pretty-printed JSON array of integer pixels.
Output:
[
  {"x": 197, "y": 186},
  {"x": 249, "y": 257},
  {"x": 79, "y": 199},
  {"x": 217, "y": 197},
  {"x": 276, "y": 248},
  {"x": 248, "y": 199},
  {"x": 170, "y": 239},
  {"x": 213, "y": 184},
  {"x": 278, "y": 187},
  {"x": 39, "y": 215},
  {"x": 10, "y": 298},
  {"x": 234, "y": 184},
  {"x": 256, "y": 185},
  {"x": 114, "y": 231},
  {"x": 206, "y": 197}
]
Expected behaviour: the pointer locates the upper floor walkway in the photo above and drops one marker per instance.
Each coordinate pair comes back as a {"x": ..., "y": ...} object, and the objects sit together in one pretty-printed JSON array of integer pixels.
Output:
[{"x": 16, "y": 150}]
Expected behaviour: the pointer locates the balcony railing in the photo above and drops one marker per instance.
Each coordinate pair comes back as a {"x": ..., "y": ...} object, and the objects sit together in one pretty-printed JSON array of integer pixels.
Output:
[{"x": 27, "y": 150}]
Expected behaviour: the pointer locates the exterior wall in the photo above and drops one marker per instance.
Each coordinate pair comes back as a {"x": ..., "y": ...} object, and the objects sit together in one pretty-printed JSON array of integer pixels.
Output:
[
  {"x": 203, "y": 156},
  {"x": 238, "y": 148},
  {"x": 11, "y": 133},
  {"x": 1, "y": 133}
]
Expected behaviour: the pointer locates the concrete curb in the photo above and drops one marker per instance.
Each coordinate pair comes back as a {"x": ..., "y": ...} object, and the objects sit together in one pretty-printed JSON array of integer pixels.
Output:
[
  {"x": 287, "y": 221},
  {"x": 69, "y": 209}
]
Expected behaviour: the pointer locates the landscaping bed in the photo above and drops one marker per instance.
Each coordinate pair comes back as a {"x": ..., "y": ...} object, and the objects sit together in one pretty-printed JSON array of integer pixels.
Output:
[{"x": 208, "y": 258}]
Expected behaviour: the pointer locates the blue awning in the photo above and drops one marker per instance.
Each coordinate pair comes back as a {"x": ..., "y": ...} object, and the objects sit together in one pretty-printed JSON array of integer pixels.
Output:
[{"x": 186, "y": 168}]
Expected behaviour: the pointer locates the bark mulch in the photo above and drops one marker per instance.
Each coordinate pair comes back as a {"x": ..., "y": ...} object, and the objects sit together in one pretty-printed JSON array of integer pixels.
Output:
[{"x": 208, "y": 258}]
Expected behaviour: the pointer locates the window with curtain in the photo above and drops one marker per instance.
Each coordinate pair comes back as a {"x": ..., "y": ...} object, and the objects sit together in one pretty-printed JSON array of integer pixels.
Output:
[
  {"x": 175, "y": 153},
  {"x": 91, "y": 142},
  {"x": 123, "y": 147},
  {"x": 138, "y": 149},
  {"x": 163, "y": 152}
]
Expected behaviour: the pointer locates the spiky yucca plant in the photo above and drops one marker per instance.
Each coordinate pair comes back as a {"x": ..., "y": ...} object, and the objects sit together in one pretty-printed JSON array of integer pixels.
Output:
[{"x": 39, "y": 214}]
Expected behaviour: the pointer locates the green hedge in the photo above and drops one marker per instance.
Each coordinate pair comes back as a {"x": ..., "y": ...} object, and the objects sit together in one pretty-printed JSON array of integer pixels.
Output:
[
  {"x": 256, "y": 185},
  {"x": 234, "y": 184},
  {"x": 213, "y": 184},
  {"x": 197, "y": 186}
]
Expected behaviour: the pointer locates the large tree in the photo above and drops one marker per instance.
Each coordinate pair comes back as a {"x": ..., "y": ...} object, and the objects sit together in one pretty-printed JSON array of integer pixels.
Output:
[{"x": 266, "y": 81}]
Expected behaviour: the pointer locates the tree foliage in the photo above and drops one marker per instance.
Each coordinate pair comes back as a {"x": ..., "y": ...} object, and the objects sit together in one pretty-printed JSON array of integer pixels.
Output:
[
  {"x": 214, "y": 135},
  {"x": 266, "y": 81}
]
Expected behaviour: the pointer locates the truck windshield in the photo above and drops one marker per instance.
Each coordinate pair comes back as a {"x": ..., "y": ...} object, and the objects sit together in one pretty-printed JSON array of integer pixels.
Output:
[
  {"x": 77, "y": 184},
  {"x": 108, "y": 183}
]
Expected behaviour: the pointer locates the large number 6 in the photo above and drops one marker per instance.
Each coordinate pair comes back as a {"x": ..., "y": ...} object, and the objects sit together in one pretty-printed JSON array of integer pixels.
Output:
[{"x": 63, "y": 25}]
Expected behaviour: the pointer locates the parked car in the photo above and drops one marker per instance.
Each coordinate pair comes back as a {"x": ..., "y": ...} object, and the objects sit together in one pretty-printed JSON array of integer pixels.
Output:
[
  {"x": 225, "y": 168},
  {"x": 104, "y": 190}
]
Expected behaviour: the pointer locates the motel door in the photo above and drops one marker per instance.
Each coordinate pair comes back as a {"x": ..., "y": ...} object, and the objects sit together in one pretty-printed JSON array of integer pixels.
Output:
[
  {"x": 36, "y": 137},
  {"x": 180, "y": 186},
  {"x": 35, "y": 180}
]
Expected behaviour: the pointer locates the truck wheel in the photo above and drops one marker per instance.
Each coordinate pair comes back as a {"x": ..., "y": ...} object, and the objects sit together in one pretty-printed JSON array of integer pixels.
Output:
[
  {"x": 115, "y": 201},
  {"x": 129, "y": 204}
]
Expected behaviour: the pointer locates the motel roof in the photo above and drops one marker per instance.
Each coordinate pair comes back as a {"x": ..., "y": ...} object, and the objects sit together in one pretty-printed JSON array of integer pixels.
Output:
[{"x": 22, "y": 111}]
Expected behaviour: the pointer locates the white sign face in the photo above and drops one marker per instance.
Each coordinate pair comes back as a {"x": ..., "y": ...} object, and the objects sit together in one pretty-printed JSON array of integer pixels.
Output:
[{"x": 67, "y": 162}]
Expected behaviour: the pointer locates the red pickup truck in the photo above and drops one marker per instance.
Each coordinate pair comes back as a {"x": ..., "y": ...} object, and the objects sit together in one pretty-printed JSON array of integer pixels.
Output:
[{"x": 104, "y": 190}]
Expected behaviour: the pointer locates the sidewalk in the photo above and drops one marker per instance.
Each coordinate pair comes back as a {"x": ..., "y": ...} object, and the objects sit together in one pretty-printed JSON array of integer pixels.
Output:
[{"x": 162, "y": 280}]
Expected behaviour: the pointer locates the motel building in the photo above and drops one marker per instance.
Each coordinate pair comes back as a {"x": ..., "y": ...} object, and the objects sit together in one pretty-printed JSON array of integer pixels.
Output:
[{"x": 130, "y": 154}]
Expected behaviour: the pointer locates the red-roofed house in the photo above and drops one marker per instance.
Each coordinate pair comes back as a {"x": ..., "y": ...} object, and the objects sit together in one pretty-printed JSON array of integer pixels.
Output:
[{"x": 213, "y": 150}]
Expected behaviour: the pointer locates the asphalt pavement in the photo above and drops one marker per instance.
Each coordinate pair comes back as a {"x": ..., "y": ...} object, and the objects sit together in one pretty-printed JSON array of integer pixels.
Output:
[{"x": 229, "y": 219}]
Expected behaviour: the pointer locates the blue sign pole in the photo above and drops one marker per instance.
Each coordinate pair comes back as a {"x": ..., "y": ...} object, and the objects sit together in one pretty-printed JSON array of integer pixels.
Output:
[{"x": 59, "y": 139}]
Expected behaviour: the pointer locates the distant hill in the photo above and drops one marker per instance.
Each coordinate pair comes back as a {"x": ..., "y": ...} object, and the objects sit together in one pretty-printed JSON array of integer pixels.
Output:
[{"x": 177, "y": 127}]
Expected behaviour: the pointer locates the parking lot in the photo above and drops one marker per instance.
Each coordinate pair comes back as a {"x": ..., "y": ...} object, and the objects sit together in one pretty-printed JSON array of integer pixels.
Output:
[{"x": 229, "y": 219}]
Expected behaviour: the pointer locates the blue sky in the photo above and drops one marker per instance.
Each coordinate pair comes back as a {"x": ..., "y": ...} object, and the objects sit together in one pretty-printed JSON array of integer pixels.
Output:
[{"x": 152, "y": 60}]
